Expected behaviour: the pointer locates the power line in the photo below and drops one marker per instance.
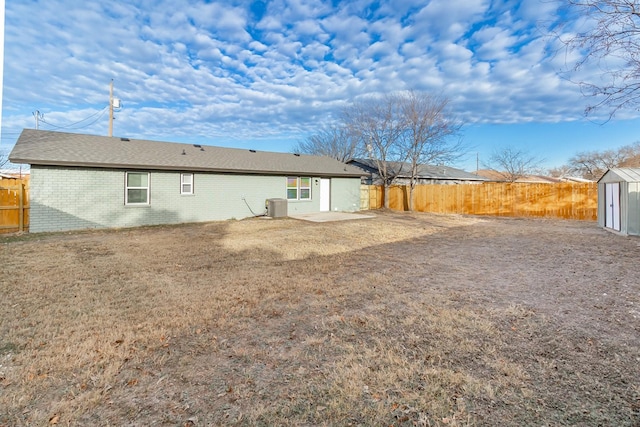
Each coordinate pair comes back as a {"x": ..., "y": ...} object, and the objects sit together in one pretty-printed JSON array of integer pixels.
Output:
[
  {"x": 114, "y": 103},
  {"x": 73, "y": 125}
]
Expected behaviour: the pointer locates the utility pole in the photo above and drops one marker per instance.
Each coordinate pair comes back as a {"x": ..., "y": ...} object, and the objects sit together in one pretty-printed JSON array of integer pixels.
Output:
[
  {"x": 38, "y": 116},
  {"x": 114, "y": 103},
  {"x": 110, "y": 108}
]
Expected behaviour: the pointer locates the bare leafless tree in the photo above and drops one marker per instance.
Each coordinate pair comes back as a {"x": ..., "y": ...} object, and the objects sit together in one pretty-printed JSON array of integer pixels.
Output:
[
  {"x": 593, "y": 164},
  {"x": 513, "y": 163},
  {"x": 562, "y": 171},
  {"x": 398, "y": 132},
  {"x": 4, "y": 157},
  {"x": 335, "y": 141},
  {"x": 608, "y": 37},
  {"x": 403, "y": 130},
  {"x": 379, "y": 125},
  {"x": 431, "y": 133},
  {"x": 630, "y": 155}
]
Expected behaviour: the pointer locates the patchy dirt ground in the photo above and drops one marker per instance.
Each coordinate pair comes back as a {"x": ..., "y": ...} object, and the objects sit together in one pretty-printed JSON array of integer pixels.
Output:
[{"x": 403, "y": 320}]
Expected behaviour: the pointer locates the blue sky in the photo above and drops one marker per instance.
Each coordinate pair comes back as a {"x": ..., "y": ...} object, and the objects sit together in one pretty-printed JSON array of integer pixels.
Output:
[{"x": 265, "y": 74}]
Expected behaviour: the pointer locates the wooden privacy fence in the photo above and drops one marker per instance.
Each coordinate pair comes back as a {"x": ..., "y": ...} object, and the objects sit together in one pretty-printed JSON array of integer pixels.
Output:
[
  {"x": 562, "y": 200},
  {"x": 14, "y": 205}
]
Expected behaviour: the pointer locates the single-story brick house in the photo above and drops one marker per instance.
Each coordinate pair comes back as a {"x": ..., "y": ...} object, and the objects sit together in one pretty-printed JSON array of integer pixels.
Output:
[{"x": 85, "y": 181}]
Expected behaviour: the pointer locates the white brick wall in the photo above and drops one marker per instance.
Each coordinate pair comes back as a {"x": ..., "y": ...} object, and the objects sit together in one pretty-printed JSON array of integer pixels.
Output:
[
  {"x": 345, "y": 194},
  {"x": 78, "y": 198}
]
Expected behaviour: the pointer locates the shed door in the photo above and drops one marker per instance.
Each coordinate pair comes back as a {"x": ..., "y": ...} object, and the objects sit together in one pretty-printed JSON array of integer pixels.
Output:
[
  {"x": 612, "y": 208},
  {"x": 325, "y": 195}
]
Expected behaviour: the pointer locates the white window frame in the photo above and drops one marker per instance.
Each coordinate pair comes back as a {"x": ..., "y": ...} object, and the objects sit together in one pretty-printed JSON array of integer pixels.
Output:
[
  {"x": 299, "y": 187},
  {"x": 183, "y": 183},
  {"x": 287, "y": 188},
  {"x": 127, "y": 188}
]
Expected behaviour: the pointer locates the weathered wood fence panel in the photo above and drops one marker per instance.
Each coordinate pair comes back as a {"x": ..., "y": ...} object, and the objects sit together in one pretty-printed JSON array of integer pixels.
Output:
[
  {"x": 562, "y": 200},
  {"x": 14, "y": 205},
  {"x": 365, "y": 197},
  {"x": 372, "y": 198}
]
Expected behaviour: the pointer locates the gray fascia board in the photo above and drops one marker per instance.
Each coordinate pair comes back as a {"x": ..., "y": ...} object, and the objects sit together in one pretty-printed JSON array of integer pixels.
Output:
[{"x": 185, "y": 168}]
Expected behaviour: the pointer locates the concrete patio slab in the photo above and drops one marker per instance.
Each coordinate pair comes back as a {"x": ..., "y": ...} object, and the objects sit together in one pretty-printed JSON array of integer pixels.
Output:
[{"x": 330, "y": 216}]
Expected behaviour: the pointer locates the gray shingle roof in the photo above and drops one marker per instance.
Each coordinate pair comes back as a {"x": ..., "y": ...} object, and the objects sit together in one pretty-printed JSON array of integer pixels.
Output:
[
  {"x": 625, "y": 174},
  {"x": 40, "y": 147},
  {"x": 424, "y": 171}
]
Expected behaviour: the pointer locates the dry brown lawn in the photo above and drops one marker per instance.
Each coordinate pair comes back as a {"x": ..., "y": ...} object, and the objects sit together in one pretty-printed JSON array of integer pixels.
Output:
[{"x": 399, "y": 320}]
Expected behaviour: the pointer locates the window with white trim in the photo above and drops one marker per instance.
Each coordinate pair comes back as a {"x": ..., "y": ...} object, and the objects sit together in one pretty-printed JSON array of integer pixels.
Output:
[
  {"x": 298, "y": 188},
  {"x": 136, "y": 188},
  {"x": 186, "y": 183}
]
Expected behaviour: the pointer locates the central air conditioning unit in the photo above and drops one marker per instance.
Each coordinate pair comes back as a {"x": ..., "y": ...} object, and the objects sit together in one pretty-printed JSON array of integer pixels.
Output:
[{"x": 277, "y": 208}]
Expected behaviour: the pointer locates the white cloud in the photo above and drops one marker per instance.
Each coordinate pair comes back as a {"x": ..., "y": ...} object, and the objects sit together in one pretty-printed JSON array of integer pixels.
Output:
[
  {"x": 221, "y": 20},
  {"x": 493, "y": 43},
  {"x": 192, "y": 68},
  {"x": 449, "y": 19},
  {"x": 298, "y": 10},
  {"x": 346, "y": 29},
  {"x": 537, "y": 11},
  {"x": 307, "y": 27},
  {"x": 270, "y": 23}
]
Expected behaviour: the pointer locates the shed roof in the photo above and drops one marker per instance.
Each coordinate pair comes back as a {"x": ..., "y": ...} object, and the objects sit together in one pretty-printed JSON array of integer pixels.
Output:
[
  {"x": 621, "y": 174},
  {"x": 424, "y": 171},
  {"x": 40, "y": 147}
]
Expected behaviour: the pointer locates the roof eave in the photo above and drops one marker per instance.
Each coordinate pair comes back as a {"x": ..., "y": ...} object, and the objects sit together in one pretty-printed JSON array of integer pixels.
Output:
[{"x": 180, "y": 168}]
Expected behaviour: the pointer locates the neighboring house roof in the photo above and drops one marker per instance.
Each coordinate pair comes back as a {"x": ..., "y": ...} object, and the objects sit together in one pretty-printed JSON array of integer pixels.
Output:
[
  {"x": 623, "y": 174},
  {"x": 424, "y": 171},
  {"x": 575, "y": 179},
  {"x": 39, "y": 147},
  {"x": 502, "y": 176},
  {"x": 15, "y": 175}
]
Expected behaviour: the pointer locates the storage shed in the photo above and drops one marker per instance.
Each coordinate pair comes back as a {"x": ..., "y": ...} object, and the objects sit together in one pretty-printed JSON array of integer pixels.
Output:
[{"x": 619, "y": 200}]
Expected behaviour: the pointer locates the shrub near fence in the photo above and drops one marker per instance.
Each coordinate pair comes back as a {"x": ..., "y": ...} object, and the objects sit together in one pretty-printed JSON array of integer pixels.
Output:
[
  {"x": 562, "y": 200},
  {"x": 14, "y": 205}
]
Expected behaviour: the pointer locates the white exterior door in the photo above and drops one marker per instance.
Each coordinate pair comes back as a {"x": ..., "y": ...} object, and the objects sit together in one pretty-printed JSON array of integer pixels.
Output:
[
  {"x": 325, "y": 195},
  {"x": 612, "y": 208}
]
